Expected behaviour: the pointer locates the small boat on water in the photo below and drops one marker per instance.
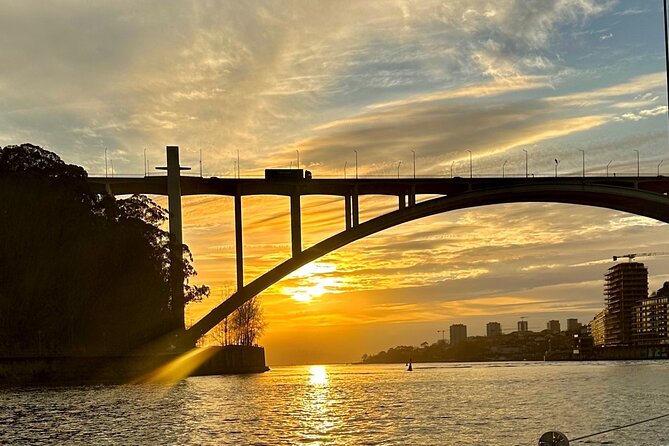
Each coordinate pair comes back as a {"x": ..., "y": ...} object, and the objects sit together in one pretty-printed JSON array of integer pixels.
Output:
[{"x": 410, "y": 367}]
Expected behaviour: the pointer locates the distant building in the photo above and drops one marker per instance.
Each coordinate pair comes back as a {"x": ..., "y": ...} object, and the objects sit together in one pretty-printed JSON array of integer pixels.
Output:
[
  {"x": 626, "y": 286},
  {"x": 458, "y": 333},
  {"x": 522, "y": 326},
  {"x": 650, "y": 318},
  {"x": 553, "y": 326},
  {"x": 597, "y": 328},
  {"x": 573, "y": 325},
  {"x": 493, "y": 329}
]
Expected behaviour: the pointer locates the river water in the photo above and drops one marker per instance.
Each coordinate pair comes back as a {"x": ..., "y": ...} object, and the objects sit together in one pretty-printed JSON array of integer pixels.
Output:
[{"x": 436, "y": 404}]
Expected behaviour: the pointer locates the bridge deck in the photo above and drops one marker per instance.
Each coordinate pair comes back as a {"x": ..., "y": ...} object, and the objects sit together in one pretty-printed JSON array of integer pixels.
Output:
[{"x": 363, "y": 186}]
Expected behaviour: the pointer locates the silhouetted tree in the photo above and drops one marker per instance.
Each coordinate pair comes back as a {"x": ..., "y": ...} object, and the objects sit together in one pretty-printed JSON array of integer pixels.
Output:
[
  {"x": 247, "y": 324},
  {"x": 80, "y": 273}
]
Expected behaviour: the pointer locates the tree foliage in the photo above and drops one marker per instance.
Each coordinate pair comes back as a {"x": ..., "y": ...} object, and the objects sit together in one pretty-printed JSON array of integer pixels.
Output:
[
  {"x": 80, "y": 273},
  {"x": 246, "y": 324}
]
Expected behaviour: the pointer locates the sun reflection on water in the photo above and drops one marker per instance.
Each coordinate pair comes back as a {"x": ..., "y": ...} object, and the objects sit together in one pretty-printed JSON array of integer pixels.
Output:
[{"x": 319, "y": 375}]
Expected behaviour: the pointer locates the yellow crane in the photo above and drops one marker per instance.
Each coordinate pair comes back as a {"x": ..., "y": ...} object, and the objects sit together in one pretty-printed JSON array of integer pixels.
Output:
[{"x": 630, "y": 257}]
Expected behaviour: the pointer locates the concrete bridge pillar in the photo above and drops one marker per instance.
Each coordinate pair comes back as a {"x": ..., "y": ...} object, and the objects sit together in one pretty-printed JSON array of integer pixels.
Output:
[
  {"x": 295, "y": 224},
  {"x": 176, "y": 234},
  {"x": 402, "y": 201},
  {"x": 412, "y": 195},
  {"x": 356, "y": 208},
  {"x": 239, "y": 242},
  {"x": 347, "y": 210}
]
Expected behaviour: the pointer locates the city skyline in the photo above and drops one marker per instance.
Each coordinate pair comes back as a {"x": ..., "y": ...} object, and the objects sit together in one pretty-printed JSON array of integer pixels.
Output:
[{"x": 374, "y": 81}]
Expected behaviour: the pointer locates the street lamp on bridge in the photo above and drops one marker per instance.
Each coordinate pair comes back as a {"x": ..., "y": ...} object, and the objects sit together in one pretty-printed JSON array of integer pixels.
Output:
[
  {"x": 471, "y": 170},
  {"x": 556, "y": 166},
  {"x": 356, "y": 164},
  {"x": 414, "y": 163},
  {"x": 525, "y": 162},
  {"x": 637, "y": 162},
  {"x": 607, "y": 168},
  {"x": 398, "y": 168},
  {"x": 658, "y": 167},
  {"x": 583, "y": 152},
  {"x": 504, "y": 164},
  {"x": 452, "y": 164}
]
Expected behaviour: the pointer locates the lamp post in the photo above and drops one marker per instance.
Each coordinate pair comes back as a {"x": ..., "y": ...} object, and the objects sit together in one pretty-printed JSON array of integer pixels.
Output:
[
  {"x": 453, "y": 163},
  {"x": 356, "y": 164},
  {"x": 105, "y": 162},
  {"x": 414, "y": 163},
  {"x": 583, "y": 152},
  {"x": 658, "y": 167},
  {"x": 504, "y": 164},
  {"x": 471, "y": 170},
  {"x": 607, "y": 168},
  {"x": 637, "y": 163},
  {"x": 525, "y": 162},
  {"x": 398, "y": 169},
  {"x": 345, "y": 163},
  {"x": 556, "y": 166}
]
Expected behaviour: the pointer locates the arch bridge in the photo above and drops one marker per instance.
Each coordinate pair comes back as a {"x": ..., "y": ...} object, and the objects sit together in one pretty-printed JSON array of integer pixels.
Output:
[{"x": 645, "y": 196}]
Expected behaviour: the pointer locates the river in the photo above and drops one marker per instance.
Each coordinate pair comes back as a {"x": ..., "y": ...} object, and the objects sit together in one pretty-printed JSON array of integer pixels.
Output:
[{"x": 436, "y": 404}]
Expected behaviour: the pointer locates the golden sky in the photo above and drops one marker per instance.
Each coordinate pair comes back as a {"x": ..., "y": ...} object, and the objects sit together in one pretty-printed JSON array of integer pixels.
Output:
[{"x": 267, "y": 78}]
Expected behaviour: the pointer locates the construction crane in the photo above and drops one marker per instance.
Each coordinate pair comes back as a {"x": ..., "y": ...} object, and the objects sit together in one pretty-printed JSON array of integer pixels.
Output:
[{"x": 630, "y": 257}]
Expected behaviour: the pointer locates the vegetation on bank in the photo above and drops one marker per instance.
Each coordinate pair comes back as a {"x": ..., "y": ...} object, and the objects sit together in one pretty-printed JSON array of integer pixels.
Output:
[
  {"x": 80, "y": 273},
  {"x": 516, "y": 346}
]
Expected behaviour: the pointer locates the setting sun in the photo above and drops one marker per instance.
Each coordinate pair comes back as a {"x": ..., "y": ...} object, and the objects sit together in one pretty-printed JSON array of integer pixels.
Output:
[{"x": 312, "y": 281}]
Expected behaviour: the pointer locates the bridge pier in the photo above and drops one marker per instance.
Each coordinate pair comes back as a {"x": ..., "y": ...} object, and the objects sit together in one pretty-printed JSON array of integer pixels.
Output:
[
  {"x": 176, "y": 235},
  {"x": 347, "y": 210},
  {"x": 295, "y": 224},
  {"x": 412, "y": 195},
  {"x": 356, "y": 207},
  {"x": 239, "y": 242},
  {"x": 402, "y": 201}
]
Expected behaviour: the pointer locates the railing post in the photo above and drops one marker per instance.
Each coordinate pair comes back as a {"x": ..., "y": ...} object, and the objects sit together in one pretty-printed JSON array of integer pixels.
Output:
[
  {"x": 239, "y": 241},
  {"x": 295, "y": 223}
]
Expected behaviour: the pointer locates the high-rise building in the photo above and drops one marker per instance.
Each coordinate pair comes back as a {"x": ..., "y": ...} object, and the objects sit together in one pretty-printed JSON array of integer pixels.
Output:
[
  {"x": 458, "y": 333},
  {"x": 553, "y": 326},
  {"x": 597, "y": 328},
  {"x": 522, "y": 326},
  {"x": 493, "y": 329},
  {"x": 573, "y": 325},
  {"x": 626, "y": 285},
  {"x": 650, "y": 318}
]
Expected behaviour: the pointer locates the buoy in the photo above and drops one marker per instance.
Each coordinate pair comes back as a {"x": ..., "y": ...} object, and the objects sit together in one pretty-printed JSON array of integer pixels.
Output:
[{"x": 553, "y": 438}]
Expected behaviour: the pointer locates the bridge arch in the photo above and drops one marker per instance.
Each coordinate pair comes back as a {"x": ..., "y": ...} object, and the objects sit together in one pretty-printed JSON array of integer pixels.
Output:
[{"x": 640, "y": 202}]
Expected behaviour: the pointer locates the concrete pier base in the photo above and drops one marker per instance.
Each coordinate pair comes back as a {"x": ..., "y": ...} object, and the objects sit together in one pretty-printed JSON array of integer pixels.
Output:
[{"x": 27, "y": 371}]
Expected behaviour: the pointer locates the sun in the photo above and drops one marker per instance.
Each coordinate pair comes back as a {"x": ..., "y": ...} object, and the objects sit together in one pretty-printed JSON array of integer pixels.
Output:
[{"x": 312, "y": 281}]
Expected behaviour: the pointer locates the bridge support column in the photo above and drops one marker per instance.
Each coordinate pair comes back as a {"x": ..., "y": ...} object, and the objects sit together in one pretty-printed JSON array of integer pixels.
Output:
[
  {"x": 412, "y": 195},
  {"x": 402, "y": 201},
  {"x": 356, "y": 208},
  {"x": 347, "y": 209},
  {"x": 176, "y": 235},
  {"x": 295, "y": 224},
  {"x": 239, "y": 246}
]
